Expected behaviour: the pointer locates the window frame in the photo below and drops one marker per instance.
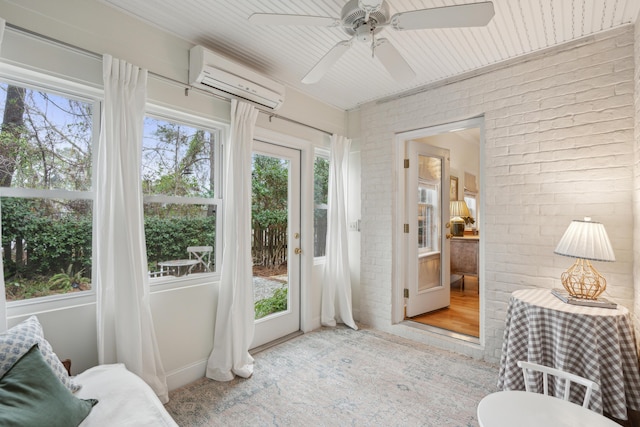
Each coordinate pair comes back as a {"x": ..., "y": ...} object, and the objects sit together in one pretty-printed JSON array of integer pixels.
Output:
[
  {"x": 24, "y": 77},
  {"x": 220, "y": 130},
  {"x": 31, "y": 80},
  {"x": 472, "y": 195}
]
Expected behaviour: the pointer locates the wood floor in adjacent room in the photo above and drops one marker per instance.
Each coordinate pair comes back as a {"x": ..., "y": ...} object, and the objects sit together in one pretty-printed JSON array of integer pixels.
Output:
[{"x": 462, "y": 316}]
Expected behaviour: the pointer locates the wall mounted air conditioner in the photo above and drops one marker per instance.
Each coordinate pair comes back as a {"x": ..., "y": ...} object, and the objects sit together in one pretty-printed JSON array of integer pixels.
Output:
[{"x": 215, "y": 73}]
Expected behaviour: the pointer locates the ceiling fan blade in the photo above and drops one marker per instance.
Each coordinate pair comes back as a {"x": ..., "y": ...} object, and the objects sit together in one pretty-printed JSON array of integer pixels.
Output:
[
  {"x": 393, "y": 61},
  {"x": 278, "y": 19},
  {"x": 327, "y": 61},
  {"x": 462, "y": 15}
]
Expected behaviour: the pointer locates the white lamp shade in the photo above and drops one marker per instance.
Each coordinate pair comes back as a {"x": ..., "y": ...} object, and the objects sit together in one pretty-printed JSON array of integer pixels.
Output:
[
  {"x": 458, "y": 208},
  {"x": 587, "y": 240}
]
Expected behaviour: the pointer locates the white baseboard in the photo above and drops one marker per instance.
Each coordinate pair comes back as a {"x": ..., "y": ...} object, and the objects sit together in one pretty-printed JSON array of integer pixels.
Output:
[{"x": 186, "y": 375}]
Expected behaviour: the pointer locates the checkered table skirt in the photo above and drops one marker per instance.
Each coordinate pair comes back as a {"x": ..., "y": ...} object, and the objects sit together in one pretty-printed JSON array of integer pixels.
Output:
[{"x": 595, "y": 343}]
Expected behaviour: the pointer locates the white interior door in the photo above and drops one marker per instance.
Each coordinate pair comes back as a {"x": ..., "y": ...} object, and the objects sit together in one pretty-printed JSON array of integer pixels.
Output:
[
  {"x": 276, "y": 241},
  {"x": 426, "y": 228}
]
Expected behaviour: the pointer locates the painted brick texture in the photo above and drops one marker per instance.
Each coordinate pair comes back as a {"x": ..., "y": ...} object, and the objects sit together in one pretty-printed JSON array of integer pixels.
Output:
[
  {"x": 636, "y": 193},
  {"x": 559, "y": 145}
]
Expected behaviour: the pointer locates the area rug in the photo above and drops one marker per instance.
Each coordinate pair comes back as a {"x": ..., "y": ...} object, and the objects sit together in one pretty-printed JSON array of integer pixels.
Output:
[{"x": 338, "y": 377}]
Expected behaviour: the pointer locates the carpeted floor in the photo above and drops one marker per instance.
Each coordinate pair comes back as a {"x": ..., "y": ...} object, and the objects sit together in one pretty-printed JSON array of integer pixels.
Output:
[{"x": 339, "y": 377}]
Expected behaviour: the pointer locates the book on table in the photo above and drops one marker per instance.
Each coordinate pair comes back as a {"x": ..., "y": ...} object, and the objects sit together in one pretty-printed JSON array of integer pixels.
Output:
[{"x": 564, "y": 296}]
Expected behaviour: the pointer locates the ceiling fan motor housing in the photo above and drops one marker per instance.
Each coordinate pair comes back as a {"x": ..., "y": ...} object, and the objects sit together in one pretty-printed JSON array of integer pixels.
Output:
[{"x": 354, "y": 24}]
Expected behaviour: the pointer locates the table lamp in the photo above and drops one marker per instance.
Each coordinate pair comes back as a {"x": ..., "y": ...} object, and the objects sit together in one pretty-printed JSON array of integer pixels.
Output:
[
  {"x": 586, "y": 241},
  {"x": 458, "y": 210}
]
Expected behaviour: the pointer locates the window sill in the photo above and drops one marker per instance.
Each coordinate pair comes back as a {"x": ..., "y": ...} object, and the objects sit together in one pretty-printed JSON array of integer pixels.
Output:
[
  {"x": 50, "y": 303},
  {"x": 169, "y": 283},
  {"x": 76, "y": 299}
]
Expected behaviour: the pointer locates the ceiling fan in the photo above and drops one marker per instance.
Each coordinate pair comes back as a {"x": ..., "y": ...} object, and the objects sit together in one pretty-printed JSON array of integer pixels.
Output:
[{"x": 364, "y": 19}]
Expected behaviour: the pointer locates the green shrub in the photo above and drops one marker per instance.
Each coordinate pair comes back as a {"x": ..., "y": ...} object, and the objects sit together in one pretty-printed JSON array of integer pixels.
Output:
[{"x": 274, "y": 304}]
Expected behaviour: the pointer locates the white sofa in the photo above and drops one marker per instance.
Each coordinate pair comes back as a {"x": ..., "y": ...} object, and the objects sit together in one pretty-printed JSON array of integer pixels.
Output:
[
  {"x": 36, "y": 389},
  {"x": 123, "y": 399}
]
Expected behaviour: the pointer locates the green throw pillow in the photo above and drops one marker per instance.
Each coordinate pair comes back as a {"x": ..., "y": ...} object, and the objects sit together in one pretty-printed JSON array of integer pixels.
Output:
[{"x": 31, "y": 395}]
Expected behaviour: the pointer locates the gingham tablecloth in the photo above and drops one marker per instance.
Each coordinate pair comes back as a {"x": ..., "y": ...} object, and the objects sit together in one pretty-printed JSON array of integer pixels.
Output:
[{"x": 596, "y": 343}]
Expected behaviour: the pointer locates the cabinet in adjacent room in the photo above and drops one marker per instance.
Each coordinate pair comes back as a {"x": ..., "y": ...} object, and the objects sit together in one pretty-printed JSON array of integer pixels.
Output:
[{"x": 465, "y": 256}]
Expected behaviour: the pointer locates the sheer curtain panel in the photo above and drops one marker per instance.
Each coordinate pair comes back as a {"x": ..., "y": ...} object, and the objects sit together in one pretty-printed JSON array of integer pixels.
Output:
[
  {"x": 235, "y": 315},
  {"x": 3, "y": 300},
  {"x": 336, "y": 287},
  {"x": 125, "y": 325}
]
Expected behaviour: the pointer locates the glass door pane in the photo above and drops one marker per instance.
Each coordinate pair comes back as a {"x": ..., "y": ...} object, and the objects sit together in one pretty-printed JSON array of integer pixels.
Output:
[
  {"x": 269, "y": 234},
  {"x": 275, "y": 245}
]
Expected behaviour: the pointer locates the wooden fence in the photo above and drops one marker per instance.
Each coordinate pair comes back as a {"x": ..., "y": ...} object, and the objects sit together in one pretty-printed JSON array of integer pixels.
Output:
[{"x": 269, "y": 245}]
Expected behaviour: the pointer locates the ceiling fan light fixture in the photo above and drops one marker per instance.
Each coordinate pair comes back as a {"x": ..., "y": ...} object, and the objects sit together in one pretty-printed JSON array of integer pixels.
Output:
[
  {"x": 353, "y": 16},
  {"x": 364, "y": 33}
]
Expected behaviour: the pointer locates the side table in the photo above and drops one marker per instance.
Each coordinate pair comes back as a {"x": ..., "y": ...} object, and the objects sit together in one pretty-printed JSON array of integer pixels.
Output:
[{"x": 596, "y": 343}]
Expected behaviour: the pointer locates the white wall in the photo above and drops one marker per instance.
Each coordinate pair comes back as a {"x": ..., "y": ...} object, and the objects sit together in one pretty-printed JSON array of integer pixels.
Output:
[
  {"x": 559, "y": 129},
  {"x": 184, "y": 316}
]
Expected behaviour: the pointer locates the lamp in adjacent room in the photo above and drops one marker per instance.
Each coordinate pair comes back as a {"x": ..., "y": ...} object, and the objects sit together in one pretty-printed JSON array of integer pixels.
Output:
[
  {"x": 458, "y": 210},
  {"x": 586, "y": 241}
]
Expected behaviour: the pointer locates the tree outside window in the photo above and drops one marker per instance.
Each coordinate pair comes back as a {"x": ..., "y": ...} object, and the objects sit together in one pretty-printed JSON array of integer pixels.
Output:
[
  {"x": 46, "y": 195},
  {"x": 179, "y": 164}
]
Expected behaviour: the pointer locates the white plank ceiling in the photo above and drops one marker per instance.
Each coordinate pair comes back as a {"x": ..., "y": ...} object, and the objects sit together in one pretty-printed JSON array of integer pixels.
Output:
[{"x": 287, "y": 53}]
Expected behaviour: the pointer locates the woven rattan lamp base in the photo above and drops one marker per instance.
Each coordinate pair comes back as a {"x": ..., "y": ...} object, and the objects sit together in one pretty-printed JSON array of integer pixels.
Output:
[{"x": 582, "y": 280}]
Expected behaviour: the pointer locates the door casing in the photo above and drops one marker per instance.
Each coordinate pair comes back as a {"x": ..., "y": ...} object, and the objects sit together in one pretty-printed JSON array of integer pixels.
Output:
[{"x": 398, "y": 275}]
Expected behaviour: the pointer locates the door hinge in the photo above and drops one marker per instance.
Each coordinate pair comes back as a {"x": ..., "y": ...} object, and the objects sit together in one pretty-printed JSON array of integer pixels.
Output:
[
  {"x": 406, "y": 163},
  {"x": 406, "y": 228},
  {"x": 406, "y": 293}
]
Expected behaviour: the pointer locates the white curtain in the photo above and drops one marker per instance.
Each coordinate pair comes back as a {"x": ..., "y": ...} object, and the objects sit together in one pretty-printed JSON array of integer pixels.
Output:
[
  {"x": 3, "y": 301},
  {"x": 336, "y": 287},
  {"x": 125, "y": 325},
  {"x": 235, "y": 315}
]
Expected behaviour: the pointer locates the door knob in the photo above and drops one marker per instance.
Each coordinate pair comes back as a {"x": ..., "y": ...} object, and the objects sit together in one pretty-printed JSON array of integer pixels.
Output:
[{"x": 297, "y": 251}]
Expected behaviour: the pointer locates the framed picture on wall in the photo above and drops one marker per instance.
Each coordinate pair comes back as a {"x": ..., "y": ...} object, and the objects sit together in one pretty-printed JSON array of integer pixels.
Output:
[{"x": 453, "y": 188}]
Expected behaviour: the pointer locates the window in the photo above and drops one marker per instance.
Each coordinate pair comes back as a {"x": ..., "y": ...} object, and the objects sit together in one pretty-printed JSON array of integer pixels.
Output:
[
  {"x": 427, "y": 217},
  {"x": 179, "y": 166},
  {"x": 46, "y": 196},
  {"x": 320, "y": 195},
  {"x": 471, "y": 201}
]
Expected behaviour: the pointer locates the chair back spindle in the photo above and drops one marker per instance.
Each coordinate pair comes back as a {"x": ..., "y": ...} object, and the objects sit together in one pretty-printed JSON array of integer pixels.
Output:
[{"x": 566, "y": 377}]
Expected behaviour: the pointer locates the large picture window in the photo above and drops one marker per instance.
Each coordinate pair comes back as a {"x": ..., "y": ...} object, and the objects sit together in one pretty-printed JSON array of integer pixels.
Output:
[
  {"x": 181, "y": 198},
  {"x": 46, "y": 196}
]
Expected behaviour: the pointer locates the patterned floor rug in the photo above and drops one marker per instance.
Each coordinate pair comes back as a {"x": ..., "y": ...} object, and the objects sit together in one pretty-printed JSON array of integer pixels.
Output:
[{"x": 340, "y": 377}]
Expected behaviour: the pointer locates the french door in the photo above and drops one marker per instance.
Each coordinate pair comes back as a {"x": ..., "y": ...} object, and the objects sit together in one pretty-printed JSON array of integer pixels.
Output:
[
  {"x": 426, "y": 228},
  {"x": 275, "y": 223}
]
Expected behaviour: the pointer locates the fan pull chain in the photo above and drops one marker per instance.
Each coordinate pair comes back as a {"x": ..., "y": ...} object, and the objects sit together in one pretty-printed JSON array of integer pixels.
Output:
[{"x": 373, "y": 43}]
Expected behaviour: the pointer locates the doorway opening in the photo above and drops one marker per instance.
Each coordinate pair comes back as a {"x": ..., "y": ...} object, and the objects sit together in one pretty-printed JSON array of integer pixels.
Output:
[{"x": 459, "y": 255}]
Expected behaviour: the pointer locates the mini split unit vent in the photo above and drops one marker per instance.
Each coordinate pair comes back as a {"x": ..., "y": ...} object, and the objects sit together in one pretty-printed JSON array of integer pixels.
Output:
[{"x": 216, "y": 74}]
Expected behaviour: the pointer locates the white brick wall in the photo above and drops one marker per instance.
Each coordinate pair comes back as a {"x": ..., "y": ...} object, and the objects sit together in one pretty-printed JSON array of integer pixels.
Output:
[
  {"x": 559, "y": 145},
  {"x": 636, "y": 193}
]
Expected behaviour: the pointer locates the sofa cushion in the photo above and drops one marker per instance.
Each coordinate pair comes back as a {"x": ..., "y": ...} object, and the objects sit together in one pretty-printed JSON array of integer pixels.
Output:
[
  {"x": 31, "y": 395},
  {"x": 15, "y": 342}
]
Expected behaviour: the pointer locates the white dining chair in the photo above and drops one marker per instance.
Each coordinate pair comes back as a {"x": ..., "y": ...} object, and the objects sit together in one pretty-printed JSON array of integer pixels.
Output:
[
  {"x": 590, "y": 386},
  {"x": 202, "y": 254}
]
